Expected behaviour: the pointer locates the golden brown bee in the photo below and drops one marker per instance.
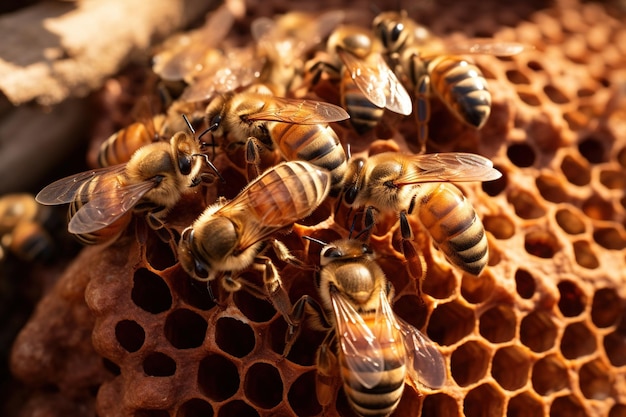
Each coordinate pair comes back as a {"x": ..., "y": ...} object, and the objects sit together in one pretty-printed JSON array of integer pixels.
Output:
[
  {"x": 22, "y": 228},
  {"x": 229, "y": 237},
  {"x": 102, "y": 200},
  {"x": 297, "y": 128},
  {"x": 376, "y": 350},
  {"x": 367, "y": 84},
  {"x": 276, "y": 57},
  {"x": 431, "y": 66},
  {"x": 421, "y": 185}
]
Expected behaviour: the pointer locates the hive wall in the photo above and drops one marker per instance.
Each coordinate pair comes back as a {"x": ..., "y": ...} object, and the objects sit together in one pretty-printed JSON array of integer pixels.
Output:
[{"x": 540, "y": 333}]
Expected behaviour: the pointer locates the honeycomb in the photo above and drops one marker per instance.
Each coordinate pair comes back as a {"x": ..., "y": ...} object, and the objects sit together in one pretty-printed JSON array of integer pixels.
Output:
[{"x": 542, "y": 331}]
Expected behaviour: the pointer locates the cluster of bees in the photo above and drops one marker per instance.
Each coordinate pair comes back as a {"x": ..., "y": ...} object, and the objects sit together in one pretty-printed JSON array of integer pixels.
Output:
[{"x": 256, "y": 109}]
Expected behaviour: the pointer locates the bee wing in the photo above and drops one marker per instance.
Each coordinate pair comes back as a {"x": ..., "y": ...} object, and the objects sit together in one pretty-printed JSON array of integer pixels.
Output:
[
  {"x": 486, "y": 47},
  {"x": 366, "y": 77},
  {"x": 107, "y": 205},
  {"x": 299, "y": 111},
  {"x": 424, "y": 361},
  {"x": 397, "y": 99},
  {"x": 64, "y": 190},
  {"x": 362, "y": 351},
  {"x": 450, "y": 166}
]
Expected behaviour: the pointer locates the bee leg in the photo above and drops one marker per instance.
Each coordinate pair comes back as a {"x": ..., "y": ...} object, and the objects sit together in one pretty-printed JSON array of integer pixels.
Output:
[
  {"x": 282, "y": 252},
  {"x": 305, "y": 304},
  {"x": 164, "y": 233},
  {"x": 422, "y": 112},
  {"x": 253, "y": 158},
  {"x": 318, "y": 68},
  {"x": 369, "y": 220},
  {"x": 415, "y": 263},
  {"x": 274, "y": 290},
  {"x": 326, "y": 380}
]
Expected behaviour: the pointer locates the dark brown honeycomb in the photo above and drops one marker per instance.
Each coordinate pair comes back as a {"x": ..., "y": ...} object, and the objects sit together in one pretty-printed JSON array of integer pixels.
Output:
[{"x": 542, "y": 332}]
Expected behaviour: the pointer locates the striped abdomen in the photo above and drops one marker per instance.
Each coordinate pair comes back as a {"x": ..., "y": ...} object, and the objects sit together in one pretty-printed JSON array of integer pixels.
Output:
[
  {"x": 462, "y": 87},
  {"x": 454, "y": 226},
  {"x": 364, "y": 115},
  {"x": 317, "y": 144},
  {"x": 286, "y": 193},
  {"x": 120, "y": 146},
  {"x": 104, "y": 234},
  {"x": 382, "y": 399}
]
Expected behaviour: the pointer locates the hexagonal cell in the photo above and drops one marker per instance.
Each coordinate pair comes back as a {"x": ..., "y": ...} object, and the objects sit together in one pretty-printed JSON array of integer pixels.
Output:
[
  {"x": 572, "y": 299},
  {"x": 159, "y": 254},
  {"x": 439, "y": 404},
  {"x": 613, "y": 179},
  {"x": 537, "y": 331},
  {"x": 584, "y": 255},
  {"x": 611, "y": 238},
  {"x": 130, "y": 335},
  {"x": 495, "y": 187},
  {"x": 484, "y": 400},
  {"x": 615, "y": 345},
  {"x": 440, "y": 282},
  {"x": 301, "y": 395},
  {"x": 597, "y": 208},
  {"x": 592, "y": 149},
  {"x": 450, "y": 322},
  {"x": 234, "y": 336},
  {"x": 237, "y": 408},
  {"x": 510, "y": 367},
  {"x": 159, "y": 364},
  {"x": 517, "y": 77},
  {"x": 555, "y": 95},
  {"x": 578, "y": 340},
  {"x": 521, "y": 155},
  {"x": 570, "y": 221},
  {"x": 254, "y": 308},
  {"x": 549, "y": 375},
  {"x": 524, "y": 283},
  {"x": 576, "y": 171},
  {"x": 150, "y": 292},
  {"x": 185, "y": 329},
  {"x": 412, "y": 309},
  {"x": 477, "y": 289},
  {"x": 568, "y": 406},
  {"x": 525, "y": 204},
  {"x": 500, "y": 226},
  {"x": 606, "y": 307},
  {"x": 525, "y": 404},
  {"x": 218, "y": 377},
  {"x": 541, "y": 243},
  {"x": 551, "y": 188},
  {"x": 498, "y": 323},
  {"x": 195, "y": 407},
  {"x": 595, "y": 379},
  {"x": 529, "y": 98},
  {"x": 192, "y": 292},
  {"x": 469, "y": 362},
  {"x": 263, "y": 385}
]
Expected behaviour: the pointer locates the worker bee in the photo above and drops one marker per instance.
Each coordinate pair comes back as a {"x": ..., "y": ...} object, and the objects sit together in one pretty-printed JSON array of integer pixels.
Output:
[
  {"x": 229, "y": 236},
  {"x": 421, "y": 185},
  {"x": 367, "y": 83},
  {"x": 432, "y": 66},
  {"x": 297, "y": 128},
  {"x": 23, "y": 228},
  {"x": 376, "y": 350},
  {"x": 151, "y": 182}
]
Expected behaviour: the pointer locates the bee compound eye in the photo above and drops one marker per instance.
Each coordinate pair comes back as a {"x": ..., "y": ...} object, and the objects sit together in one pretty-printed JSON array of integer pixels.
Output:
[
  {"x": 366, "y": 250},
  {"x": 215, "y": 122},
  {"x": 184, "y": 164},
  {"x": 350, "y": 194},
  {"x": 200, "y": 269},
  {"x": 397, "y": 31},
  {"x": 332, "y": 252}
]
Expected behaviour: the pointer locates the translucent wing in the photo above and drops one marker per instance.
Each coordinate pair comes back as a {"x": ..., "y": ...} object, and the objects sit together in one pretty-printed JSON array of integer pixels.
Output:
[
  {"x": 378, "y": 82},
  {"x": 360, "y": 348},
  {"x": 366, "y": 77},
  {"x": 64, "y": 190},
  {"x": 451, "y": 166},
  {"x": 300, "y": 111},
  {"x": 424, "y": 361},
  {"x": 110, "y": 202},
  {"x": 486, "y": 47}
]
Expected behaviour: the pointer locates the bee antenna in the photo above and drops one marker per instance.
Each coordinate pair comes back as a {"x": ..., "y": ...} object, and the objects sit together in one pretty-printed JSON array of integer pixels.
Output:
[
  {"x": 312, "y": 239},
  {"x": 210, "y": 164},
  {"x": 349, "y": 151},
  {"x": 191, "y": 129}
]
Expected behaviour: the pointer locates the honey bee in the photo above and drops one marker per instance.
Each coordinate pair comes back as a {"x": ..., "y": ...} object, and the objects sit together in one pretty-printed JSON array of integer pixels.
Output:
[
  {"x": 297, "y": 128},
  {"x": 23, "y": 229},
  {"x": 151, "y": 182},
  {"x": 421, "y": 185},
  {"x": 376, "y": 350},
  {"x": 230, "y": 236},
  {"x": 367, "y": 83},
  {"x": 432, "y": 66}
]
